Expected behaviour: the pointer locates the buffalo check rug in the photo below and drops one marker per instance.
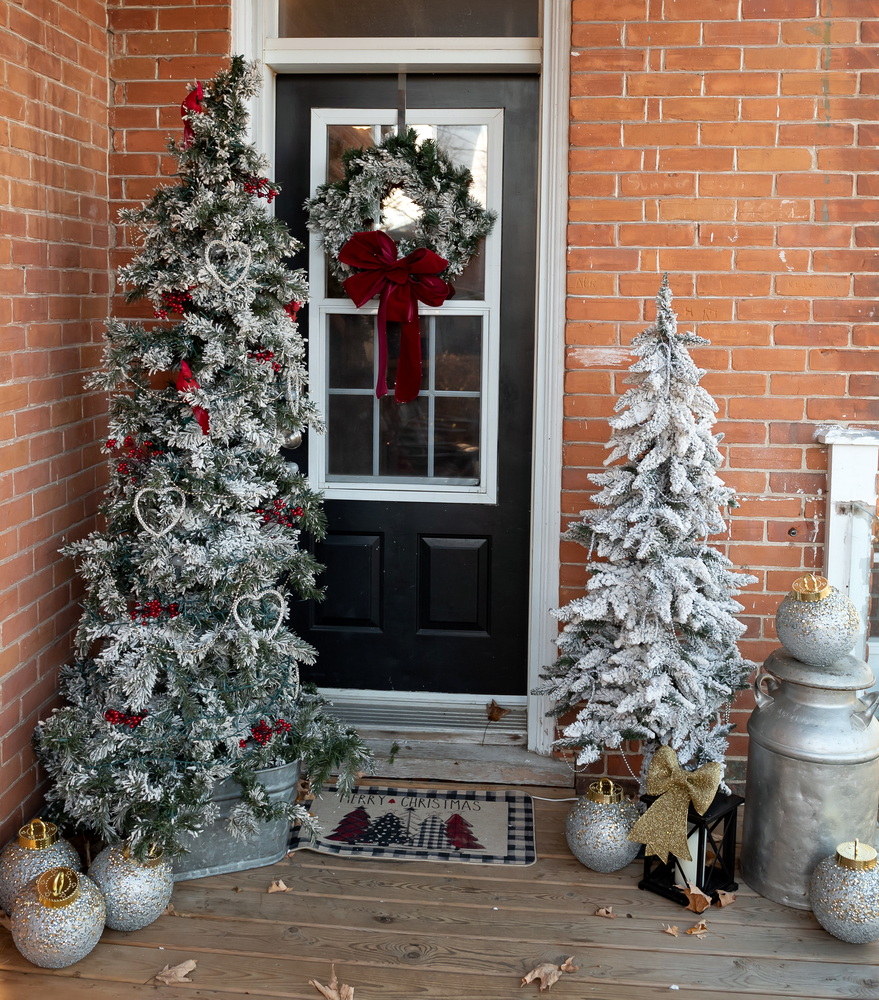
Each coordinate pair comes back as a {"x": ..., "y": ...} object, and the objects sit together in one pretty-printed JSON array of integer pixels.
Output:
[{"x": 421, "y": 824}]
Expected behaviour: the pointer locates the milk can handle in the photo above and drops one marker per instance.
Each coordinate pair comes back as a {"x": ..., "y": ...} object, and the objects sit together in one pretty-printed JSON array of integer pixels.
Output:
[
  {"x": 764, "y": 686},
  {"x": 869, "y": 706}
]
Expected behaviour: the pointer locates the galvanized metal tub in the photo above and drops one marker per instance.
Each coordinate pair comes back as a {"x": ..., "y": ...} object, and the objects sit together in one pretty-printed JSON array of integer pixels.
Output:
[
  {"x": 215, "y": 851},
  {"x": 813, "y": 772}
]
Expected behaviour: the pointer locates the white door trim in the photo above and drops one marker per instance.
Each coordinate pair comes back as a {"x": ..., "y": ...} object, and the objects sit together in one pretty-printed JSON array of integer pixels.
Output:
[{"x": 254, "y": 36}]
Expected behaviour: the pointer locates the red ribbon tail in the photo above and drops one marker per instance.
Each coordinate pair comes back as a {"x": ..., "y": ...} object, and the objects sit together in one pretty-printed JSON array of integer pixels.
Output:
[
  {"x": 408, "y": 382},
  {"x": 381, "y": 333}
]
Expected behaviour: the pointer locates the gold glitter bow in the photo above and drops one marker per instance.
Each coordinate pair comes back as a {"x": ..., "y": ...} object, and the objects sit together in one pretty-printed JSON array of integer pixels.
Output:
[{"x": 663, "y": 828}]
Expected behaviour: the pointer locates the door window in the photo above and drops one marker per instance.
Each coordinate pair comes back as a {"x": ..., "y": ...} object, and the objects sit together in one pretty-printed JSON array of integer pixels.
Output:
[{"x": 445, "y": 441}]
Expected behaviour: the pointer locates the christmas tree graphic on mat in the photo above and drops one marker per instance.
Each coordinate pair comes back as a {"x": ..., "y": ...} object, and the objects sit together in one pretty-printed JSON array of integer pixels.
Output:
[
  {"x": 353, "y": 827},
  {"x": 460, "y": 834},
  {"x": 432, "y": 834},
  {"x": 386, "y": 830}
]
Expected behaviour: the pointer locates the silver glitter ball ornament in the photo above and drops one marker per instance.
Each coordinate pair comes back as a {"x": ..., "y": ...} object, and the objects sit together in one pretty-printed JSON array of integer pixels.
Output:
[
  {"x": 136, "y": 892},
  {"x": 57, "y": 918},
  {"x": 36, "y": 849},
  {"x": 816, "y": 623},
  {"x": 292, "y": 439},
  {"x": 844, "y": 893},
  {"x": 598, "y": 826}
]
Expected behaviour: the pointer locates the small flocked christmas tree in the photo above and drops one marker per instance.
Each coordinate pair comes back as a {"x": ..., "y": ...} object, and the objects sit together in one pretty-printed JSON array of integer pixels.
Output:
[
  {"x": 651, "y": 646},
  {"x": 185, "y": 672}
]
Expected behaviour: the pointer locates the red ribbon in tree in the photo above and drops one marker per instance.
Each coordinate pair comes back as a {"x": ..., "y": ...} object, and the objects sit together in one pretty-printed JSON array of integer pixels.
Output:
[
  {"x": 400, "y": 284},
  {"x": 186, "y": 382},
  {"x": 192, "y": 102}
]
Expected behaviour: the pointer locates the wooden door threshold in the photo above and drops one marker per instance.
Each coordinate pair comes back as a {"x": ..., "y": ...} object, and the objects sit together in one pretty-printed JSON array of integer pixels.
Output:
[{"x": 433, "y": 756}]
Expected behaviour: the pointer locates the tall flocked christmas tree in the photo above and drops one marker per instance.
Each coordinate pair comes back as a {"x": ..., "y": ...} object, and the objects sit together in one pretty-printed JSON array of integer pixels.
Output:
[
  {"x": 185, "y": 672},
  {"x": 651, "y": 646}
]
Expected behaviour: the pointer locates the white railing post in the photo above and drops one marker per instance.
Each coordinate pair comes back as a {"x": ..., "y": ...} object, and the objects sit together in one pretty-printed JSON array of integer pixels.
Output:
[{"x": 851, "y": 494}]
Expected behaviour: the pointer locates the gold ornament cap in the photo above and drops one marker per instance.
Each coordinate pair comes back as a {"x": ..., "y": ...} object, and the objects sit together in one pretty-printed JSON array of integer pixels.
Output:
[
  {"x": 605, "y": 792},
  {"x": 37, "y": 835},
  {"x": 154, "y": 857},
  {"x": 810, "y": 587},
  {"x": 58, "y": 887},
  {"x": 856, "y": 855}
]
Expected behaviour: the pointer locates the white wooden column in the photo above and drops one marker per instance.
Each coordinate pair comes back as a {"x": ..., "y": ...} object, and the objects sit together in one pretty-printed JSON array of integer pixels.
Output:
[{"x": 848, "y": 548}]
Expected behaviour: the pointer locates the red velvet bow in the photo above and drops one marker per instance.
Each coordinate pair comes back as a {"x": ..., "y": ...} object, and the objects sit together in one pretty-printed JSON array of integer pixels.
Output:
[
  {"x": 400, "y": 285},
  {"x": 192, "y": 102},
  {"x": 186, "y": 382}
]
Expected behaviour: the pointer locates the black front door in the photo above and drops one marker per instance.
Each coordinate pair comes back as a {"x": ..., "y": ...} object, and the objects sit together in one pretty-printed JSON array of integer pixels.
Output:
[{"x": 428, "y": 502}]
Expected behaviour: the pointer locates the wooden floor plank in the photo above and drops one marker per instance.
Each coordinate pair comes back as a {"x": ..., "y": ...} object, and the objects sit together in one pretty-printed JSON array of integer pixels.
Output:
[{"x": 522, "y": 925}]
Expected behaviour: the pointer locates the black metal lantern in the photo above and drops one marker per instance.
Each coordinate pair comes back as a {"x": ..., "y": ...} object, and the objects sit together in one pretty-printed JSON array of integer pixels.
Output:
[{"x": 711, "y": 839}]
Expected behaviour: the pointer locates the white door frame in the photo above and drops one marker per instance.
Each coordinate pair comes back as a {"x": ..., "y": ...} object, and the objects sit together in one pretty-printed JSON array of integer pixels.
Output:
[{"x": 254, "y": 36}]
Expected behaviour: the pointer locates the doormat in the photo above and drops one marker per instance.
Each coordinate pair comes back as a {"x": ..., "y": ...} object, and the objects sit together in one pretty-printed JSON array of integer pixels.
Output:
[{"x": 421, "y": 824}]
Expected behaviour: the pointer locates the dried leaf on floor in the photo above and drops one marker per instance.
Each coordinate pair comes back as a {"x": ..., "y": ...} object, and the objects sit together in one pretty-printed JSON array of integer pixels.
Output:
[
  {"x": 334, "y": 990},
  {"x": 670, "y": 929},
  {"x": 698, "y": 930},
  {"x": 176, "y": 973},
  {"x": 546, "y": 974},
  {"x": 724, "y": 898},
  {"x": 170, "y": 911},
  {"x": 568, "y": 965},
  {"x": 495, "y": 712},
  {"x": 279, "y": 886},
  {"x": 605, "y": 911},
  {"x": 697, "y": 900}
]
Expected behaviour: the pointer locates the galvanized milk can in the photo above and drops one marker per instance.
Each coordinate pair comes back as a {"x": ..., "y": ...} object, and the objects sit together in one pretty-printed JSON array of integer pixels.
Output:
[{"x": 813, "y": 772}]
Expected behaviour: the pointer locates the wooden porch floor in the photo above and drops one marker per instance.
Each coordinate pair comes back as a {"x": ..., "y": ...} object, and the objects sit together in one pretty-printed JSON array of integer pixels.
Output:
[{"x": 419, "y": 931}]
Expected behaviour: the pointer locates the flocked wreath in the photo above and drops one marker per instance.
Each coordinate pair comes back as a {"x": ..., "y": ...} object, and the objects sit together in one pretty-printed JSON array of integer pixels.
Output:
[{"x": 452, "y": 222}]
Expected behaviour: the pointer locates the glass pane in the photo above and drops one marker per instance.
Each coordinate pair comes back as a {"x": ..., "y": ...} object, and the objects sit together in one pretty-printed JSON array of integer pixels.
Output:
[
  {"x": 351, "y": 351},
  {"x": 458, "y": 353},
  {"x": 466, "y": 146},
  {"x": 457, "y": 438},
  {"x": 349, "y": 434},
  {"x": 339, "y": 139},
  {"x": 394, "y": 353},
  {"x": 408, "y": 18},
  {"x": 403, "y": 437}
]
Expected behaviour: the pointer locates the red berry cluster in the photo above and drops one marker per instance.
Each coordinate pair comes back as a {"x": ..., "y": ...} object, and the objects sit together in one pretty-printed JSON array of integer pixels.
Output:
[
  {"x": 262, "y": 187},
  {"x": 151, "y": 610},
  {"x": 121, "y": 719},
  {"x": 292, "y": 309},
  {"x": 175, "y": 302},
  {"x": 279, "y": 513},
  {"x": 130, "y": 453},
  {"x": 262, "y": 732},
  {"x": 266, "y": 356}
]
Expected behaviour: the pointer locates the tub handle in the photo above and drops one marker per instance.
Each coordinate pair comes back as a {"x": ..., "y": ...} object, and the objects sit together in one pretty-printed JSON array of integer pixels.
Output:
[
  {"x": 868, "y": 708},
  {"x": 765, "y": 685}
]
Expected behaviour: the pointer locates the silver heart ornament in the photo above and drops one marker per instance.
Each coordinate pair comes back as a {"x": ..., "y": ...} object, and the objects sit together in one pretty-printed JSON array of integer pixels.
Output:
[
  {"x": 171, "y": 518},
  {"x": 236, "y": 251},
  {"x": 273, "y": 631}
]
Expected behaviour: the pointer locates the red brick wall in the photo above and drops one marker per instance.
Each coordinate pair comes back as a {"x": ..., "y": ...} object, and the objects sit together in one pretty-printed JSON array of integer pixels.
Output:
[
  {"x": 91, "y": 90},
  {"x": 53, "y": 269},
  {"x": 159, "y": 48},
  {"x": 730, "y": 143}
]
